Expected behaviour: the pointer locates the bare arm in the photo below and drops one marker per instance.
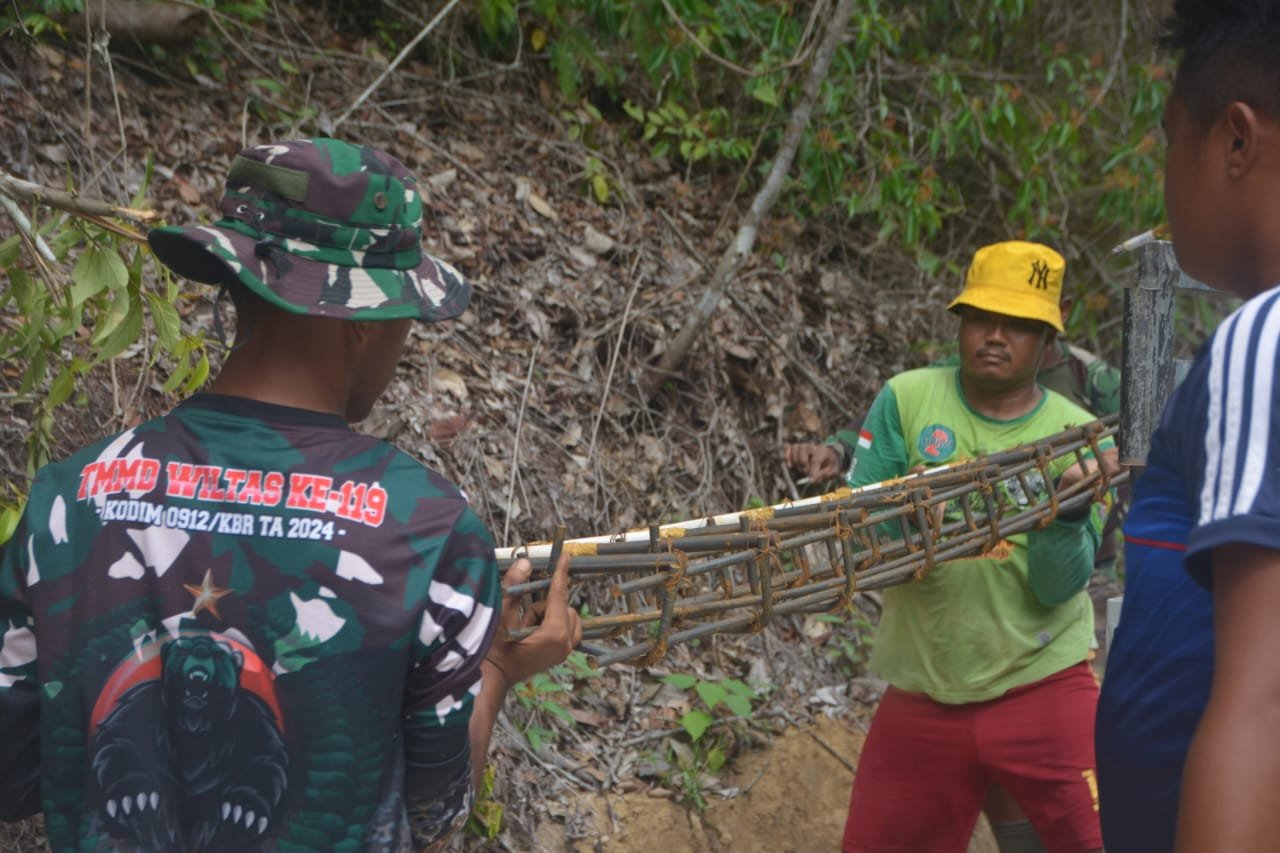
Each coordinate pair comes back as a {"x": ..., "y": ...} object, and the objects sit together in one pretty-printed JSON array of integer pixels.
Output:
[
  {"x": 439, "y": 810},
  {"x": 1233, "y": 769},
  {"x": 511, "y": 661}
]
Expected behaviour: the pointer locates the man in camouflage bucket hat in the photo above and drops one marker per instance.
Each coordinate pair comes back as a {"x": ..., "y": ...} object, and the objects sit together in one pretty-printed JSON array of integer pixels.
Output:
[{"x": 242, "y": 625}]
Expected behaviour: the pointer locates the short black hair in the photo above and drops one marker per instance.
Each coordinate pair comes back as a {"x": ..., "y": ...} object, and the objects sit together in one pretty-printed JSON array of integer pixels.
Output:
[{"x": 1228, "y": 50}]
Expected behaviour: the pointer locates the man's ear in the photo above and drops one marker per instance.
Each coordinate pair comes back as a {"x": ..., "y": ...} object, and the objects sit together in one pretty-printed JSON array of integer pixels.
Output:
[
  {"x": 358, "y": 334},
  {"x": 1065, "y": 305},
  {"x": 1243, "y": 129}
]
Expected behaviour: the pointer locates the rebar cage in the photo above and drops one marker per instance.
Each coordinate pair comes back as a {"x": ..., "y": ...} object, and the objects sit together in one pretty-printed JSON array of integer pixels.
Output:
[{"x": 650, "y": 589}]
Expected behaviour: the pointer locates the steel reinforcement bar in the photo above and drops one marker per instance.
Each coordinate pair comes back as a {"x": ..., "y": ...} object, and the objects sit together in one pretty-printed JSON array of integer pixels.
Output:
[{"x": 660, "y": 586}]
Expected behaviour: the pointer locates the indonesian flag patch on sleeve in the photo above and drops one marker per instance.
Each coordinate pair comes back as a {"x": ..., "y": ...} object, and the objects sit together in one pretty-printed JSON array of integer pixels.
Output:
[{"x": 864, "y": 439}]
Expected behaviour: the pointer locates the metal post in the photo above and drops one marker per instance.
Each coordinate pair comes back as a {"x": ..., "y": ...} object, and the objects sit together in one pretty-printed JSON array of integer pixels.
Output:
[
  {"x": 1150, "y": 372},
  {"x": 1147, "y": 360}
]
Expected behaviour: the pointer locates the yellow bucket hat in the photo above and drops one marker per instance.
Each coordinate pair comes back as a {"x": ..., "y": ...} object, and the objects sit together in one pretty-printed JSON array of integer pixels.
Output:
[{"x": 1016, "y": 279}]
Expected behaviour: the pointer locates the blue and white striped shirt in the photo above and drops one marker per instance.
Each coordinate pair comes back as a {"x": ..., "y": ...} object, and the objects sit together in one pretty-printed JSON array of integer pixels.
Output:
[
  {"x": 1213, "y": 478},
  {"x": 1223, "y": 426}
]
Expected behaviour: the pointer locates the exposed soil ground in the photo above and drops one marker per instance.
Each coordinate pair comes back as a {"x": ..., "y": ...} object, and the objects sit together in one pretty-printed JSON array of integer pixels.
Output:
[{"x": 789, "y": 797}]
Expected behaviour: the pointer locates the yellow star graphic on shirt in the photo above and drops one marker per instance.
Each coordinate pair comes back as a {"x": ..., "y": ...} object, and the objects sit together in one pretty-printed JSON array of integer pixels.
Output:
[{"x": 206, "y": 594}]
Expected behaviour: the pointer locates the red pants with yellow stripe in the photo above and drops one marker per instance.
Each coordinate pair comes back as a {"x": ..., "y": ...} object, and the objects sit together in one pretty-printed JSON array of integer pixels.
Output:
[{"x": 926, "y": 767}]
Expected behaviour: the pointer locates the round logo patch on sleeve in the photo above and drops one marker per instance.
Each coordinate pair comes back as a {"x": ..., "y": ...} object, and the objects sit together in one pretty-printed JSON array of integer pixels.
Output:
[{"x": 936, "y": 442}]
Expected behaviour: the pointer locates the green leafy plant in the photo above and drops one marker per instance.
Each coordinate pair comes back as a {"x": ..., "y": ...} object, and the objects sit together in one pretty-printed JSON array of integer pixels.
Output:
[
  {"x": 539, "y": 696},
  {"x": 11, "y": 504},
  {"x": 694, "y": 769},
  {"x": 582, "y": 121},
  {"x": 696, "y": 762},
  {"x": 76, "y": 312},
  {"x": 577, "y": 666},
  {"x": 211, "y": 53},
  {"x": 36, "y": 18},
  {"x": 536, "y": 694},
  {"x": 486, "y": 812},
  {"x": 670, "y": 129},
  {"x": 734, "y": 695},
  {"x": 851, "y": 641},
  {"x": 274, "y": 100},
  {"x": 939, "y": 126}
]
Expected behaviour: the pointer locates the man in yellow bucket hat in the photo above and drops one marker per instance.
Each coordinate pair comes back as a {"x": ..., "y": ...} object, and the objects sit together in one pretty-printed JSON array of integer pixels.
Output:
[
  {"x": 986, "y": 657},
  {"x": 1080, "y": 375}
]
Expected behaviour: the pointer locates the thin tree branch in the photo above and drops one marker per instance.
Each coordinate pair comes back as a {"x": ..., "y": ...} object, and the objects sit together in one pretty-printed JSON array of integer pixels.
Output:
[
  {"x": 823, "y": 388},
  {"x": 227, "y": 38},
  {"x": 1116, "y": 58},
  {"x": 19, "y": 190},
  {"x": 24, "y": 225},
  {"x": 731, "y": 65},
  {"x": 386, "y": 72},
  {"x": 735, "y": 257},
  {"x": 706, "y": 51}
]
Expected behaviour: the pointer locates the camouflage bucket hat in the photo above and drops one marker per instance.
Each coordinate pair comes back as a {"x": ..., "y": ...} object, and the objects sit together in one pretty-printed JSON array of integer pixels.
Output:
[{"x": 320, "y": 227}]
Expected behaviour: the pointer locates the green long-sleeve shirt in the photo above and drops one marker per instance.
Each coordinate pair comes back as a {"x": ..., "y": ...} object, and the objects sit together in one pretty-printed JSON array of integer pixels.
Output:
[
  {"x": 1082, "y": 377},
  {"x": 975, "y": 628}
]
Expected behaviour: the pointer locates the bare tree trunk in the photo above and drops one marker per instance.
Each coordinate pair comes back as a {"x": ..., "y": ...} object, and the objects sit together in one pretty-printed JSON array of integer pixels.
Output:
[{"x": 732, "y": 261}]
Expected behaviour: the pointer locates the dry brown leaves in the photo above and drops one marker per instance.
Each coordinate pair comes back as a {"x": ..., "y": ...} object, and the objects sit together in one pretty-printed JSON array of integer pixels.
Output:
[{"x": 531, "y": 401}]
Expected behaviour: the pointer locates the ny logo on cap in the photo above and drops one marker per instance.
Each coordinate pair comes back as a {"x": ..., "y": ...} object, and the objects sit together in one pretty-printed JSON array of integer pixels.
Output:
[{"x": 1039, "y": 278}]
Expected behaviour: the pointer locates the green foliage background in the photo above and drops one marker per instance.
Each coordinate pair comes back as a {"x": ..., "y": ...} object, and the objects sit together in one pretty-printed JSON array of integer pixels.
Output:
[{"x": 942, "y": 125}]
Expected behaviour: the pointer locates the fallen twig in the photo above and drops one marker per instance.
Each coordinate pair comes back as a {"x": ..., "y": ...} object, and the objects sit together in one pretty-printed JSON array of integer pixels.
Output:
[
  {"x": 823, "y": 388},
  {"x": 386, "y": 72},
  {"x": 515, "y": 448},
  {"x": 613, "y": 359},
  {"x": 821, "y": 741},
  {"x": 21, "y": 190},
  {"x": 752, "y": 783}
]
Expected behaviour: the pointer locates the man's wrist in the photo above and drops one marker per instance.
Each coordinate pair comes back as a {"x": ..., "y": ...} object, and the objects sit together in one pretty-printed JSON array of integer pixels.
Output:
[
  {"x": 493, "y": 673},
  {"x": 843, "y": 453},
  {"x": 1075, "y": 516}
]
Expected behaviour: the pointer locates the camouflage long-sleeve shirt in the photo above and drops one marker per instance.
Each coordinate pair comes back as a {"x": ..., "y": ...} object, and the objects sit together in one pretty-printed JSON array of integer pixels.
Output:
[{"x": 241, "y": 626}]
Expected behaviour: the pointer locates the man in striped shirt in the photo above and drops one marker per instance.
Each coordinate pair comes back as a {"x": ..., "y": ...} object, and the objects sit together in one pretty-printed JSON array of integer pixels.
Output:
[{"x": 1186, "y": 747}]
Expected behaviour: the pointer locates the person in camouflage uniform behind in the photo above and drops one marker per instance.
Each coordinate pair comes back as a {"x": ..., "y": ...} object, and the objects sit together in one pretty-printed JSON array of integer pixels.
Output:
[{"x": 243, "y": 625}]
